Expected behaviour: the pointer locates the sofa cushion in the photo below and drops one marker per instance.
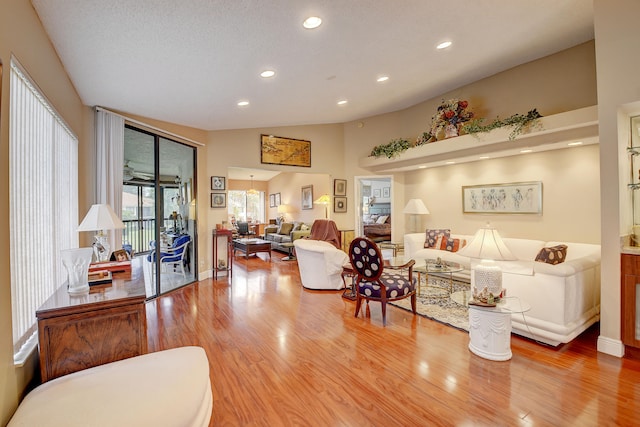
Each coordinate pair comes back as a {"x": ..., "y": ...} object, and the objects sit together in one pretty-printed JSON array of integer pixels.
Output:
[
  {"x": 433, "y": 234},
  {"x": 281, "y": 238},
  {"x": 382, "y": 219},
  {"x": 285, "y": 228},
  {"x": 552, "y": 255},
  {"x": 450, "y": 244},
  {"x": 305, "y": 227},
  {"x": 297, "y": 225}
]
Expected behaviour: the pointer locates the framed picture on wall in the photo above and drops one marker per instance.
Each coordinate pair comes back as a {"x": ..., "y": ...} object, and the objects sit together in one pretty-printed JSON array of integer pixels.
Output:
[
  {"x": 386, "y": 192},
  {"x": 514, "y": 198},
  {"x": 278, "y": 200},
  {"x": 272, "y": 200},
  {"x": 307, "y": 197},
  {"x": 218, "y": 183},
  {"x": 339, "y": 204},
  {"x": 339, "y": 187},
  {"x": 376, "y": 192},
  {"x": 218, "y": 200}
]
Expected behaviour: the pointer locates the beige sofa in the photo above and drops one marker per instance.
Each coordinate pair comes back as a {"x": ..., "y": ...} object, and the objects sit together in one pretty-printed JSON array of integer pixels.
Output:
[
  {"x": 287, "y": 232},
  {"x": 564, "y": 298}
]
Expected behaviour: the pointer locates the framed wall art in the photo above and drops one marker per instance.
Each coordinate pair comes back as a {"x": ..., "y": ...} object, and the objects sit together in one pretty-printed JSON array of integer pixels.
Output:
[
  {"x": 307, "y": 197},
  {"x": 386, "y": 192},
  {"x": 278, "y": 200},
  {"x": 339, "y": 204},
  {"x": 339, "y": 187},
  {"x": 513, "y": 198},
  {"x": 272, "y": 201},
  {"x": 218, "y": 183},
  {"x": 218, "y": 200},
  {"x": 275, "y": 150}
]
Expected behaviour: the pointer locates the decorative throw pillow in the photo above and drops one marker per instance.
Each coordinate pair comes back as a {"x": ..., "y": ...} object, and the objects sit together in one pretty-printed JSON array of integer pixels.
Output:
[
  {"x": 449, "y": 244},
  {"x": 382, "y": 219},
  {"x": 297, "y": 225},
  {"x": 432, "y": 236},
  {"x": 285, "y": 228},
  {"x": 304, "y": 227},
  {"x": 553, "y": 254}
]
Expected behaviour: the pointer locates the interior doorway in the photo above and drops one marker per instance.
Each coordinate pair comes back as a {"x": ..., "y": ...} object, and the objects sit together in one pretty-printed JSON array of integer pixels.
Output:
[{"x": 374, "y": 205}]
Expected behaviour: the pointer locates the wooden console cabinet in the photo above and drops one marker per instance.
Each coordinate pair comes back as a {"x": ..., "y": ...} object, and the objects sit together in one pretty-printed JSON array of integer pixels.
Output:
[
  {"x": 79, "y": 332},
  {"x": 630, "y": 300}
]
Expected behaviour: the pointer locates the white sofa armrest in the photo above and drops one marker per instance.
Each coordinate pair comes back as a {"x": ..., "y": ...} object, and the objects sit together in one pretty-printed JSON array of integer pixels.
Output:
[{"x": 413, "y": 242}]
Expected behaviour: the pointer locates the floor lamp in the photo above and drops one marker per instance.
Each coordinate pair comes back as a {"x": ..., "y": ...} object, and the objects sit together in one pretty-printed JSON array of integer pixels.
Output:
[
  {"x": 486, "y": 245},
  {"x": 414, "y": 208},
  {"x": 324, "y": 200}
]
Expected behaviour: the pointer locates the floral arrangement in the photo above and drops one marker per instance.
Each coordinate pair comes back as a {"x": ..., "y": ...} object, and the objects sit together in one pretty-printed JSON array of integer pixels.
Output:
[{"x": 450, "y": 113}]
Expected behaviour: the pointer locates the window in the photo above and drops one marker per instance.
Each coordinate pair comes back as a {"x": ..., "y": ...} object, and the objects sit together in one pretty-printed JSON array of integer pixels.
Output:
[
  {"x": 246, "y": 206},
  {"x": 43, "y": 185}
]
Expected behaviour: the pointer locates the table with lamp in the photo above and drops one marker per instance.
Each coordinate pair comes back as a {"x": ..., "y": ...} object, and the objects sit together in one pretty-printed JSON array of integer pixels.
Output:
[
  {"x": 81, "y": 326},
  {"x": 414, "y": 208},
  {"x": 489, "y": 309}
]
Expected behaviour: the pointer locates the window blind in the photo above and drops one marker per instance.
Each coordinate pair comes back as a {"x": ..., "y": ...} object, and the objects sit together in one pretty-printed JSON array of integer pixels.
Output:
[{"x": 43, "y": 184}]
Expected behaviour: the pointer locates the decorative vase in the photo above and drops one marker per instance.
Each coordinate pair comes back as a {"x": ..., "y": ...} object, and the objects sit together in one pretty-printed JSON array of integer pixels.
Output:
[{"x": 450, "y": 131}]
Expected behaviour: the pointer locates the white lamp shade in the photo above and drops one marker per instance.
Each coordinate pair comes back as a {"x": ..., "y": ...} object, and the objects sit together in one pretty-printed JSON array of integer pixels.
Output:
[
  {"x": 100, "y": 217},
  {"x": 283, "y": 208},
  {"x": 416, "y": 206},
  {"x": 487, "y": 244}
]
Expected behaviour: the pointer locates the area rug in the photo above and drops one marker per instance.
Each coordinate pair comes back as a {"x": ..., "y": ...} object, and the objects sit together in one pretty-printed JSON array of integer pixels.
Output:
[{"x": 434, "y": 303}]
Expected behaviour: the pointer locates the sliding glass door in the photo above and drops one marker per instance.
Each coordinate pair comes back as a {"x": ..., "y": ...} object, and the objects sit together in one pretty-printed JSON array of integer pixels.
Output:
[{"x": 158, "y": 209}]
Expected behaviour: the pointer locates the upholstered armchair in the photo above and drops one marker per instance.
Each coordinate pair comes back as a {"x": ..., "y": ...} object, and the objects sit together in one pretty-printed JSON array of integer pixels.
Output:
[
  {"x": 376, "y": 282},
  {"x": 320, "y": 264}
]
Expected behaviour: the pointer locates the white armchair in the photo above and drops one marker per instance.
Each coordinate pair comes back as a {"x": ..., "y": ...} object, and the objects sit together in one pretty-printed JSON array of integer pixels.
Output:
[{"x": 320, "y": 264}]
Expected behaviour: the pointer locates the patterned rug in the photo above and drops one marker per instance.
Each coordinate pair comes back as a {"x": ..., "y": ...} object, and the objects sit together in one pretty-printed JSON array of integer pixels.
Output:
[{"x": 434, "y": 303}]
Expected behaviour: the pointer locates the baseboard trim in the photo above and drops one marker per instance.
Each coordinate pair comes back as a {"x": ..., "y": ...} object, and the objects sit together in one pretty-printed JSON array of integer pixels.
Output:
[{"x": 610, "y": 346}]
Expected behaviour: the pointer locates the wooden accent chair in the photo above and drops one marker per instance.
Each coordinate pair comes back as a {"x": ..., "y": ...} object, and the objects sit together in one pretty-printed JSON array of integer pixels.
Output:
[{"x": 376, "y": 282}]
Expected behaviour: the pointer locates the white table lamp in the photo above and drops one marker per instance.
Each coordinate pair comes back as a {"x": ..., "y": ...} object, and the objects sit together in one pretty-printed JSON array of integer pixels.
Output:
[
  {"x": 487, "y": 246},
  {"x": 414, "y": 208},
  {"x": 282, "y": 212},
  {"x": 99, "y": 218}
]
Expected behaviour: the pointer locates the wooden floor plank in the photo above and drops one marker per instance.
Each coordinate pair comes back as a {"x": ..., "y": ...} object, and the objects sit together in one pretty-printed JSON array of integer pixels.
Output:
[{"x": 281, "y": 355}]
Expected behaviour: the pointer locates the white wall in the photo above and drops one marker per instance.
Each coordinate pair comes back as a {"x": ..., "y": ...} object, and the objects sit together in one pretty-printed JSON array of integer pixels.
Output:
[
  {"x": 617, "y": 35},
  {"x": 570, "y": 188}
]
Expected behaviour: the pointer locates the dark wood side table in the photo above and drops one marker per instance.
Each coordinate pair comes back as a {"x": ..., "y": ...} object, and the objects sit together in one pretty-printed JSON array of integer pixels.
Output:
[
  {"x": 79, "y": 332},
  {"x": 222, "y": 252}
]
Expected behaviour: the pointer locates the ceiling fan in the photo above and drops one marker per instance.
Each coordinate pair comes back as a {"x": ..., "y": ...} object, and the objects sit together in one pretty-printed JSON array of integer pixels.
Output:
[{"x": 130, "y": 174}]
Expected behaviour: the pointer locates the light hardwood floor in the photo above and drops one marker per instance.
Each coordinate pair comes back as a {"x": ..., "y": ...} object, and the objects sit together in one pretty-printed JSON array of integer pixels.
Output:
[{"x": 281, "y": 355}]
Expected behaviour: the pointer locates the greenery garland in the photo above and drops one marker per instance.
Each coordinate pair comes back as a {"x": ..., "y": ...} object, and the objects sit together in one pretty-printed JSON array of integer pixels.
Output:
[
  {"x": 391, "y": 149},
  {"x": 518, "y": 121}
]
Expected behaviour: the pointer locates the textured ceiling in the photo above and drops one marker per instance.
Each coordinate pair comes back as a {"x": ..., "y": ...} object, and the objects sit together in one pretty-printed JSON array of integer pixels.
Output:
[{"x": 190, "y": 62}]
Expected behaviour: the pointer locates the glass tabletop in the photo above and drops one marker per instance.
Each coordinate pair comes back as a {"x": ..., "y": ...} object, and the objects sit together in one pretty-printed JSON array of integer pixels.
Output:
[
  {"x": 430, "y": 266},
  {"x": 506, "y": 305}
]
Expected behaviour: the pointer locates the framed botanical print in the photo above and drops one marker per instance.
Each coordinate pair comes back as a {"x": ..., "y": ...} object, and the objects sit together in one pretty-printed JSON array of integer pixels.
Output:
[
  {"x": 218, "y": 183},
  {"x": 218, "y": 200},
  {"x": 307, "y": 197},
  {"x": 339, "y": 187}
]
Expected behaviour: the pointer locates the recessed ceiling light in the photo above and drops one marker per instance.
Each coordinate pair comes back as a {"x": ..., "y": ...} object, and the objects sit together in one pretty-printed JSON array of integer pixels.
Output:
[
  {"x": 267, "y": 73},
  {"x": 571, "y": 144},
  {"x": 444, "y": 45},
  {"x": 243, "y": 103},
  {"x": 382, "y": 79},
  {"x": 342, "y": 102},
  {"x": 527, "y": 150},
  {"x": 450, "y": 162},
  {"x": 484, "y": 157},
  {"x": 422, "y": 167},
  {"x": 312, "y": 22}
]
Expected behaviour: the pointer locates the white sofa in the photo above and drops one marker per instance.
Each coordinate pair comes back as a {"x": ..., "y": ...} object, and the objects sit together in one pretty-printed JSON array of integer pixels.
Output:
[
  {"x": 165, "y": 388},
  {"x": 320, "y": 264},
  {"x": 564, "y": 298}
]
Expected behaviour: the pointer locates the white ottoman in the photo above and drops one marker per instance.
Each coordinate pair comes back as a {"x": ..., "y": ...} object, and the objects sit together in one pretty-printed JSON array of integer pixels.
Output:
[{"x": 166, "y": 388}]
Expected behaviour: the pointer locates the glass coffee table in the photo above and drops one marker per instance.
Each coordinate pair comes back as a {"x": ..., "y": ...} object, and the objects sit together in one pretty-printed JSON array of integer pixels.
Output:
[{"x": 430, "y": 266}]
